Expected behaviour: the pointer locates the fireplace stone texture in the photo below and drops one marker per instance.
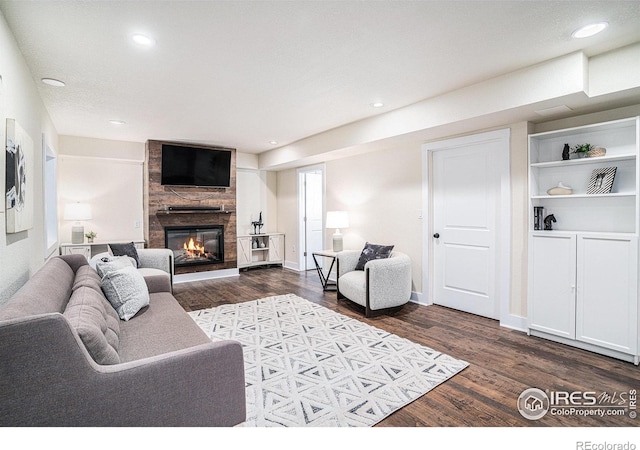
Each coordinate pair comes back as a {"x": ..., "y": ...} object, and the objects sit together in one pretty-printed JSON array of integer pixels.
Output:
[{"x": 158, "y": 197}]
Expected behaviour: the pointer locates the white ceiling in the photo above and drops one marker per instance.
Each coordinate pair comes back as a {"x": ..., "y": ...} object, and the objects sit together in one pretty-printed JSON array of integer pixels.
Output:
[{"x": 243, "y": 73}]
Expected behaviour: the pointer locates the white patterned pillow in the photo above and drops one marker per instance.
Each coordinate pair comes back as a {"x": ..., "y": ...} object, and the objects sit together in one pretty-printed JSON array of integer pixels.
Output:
[
  {"x": 109, "y": 263},
  {"x": 126, "y": 290}
]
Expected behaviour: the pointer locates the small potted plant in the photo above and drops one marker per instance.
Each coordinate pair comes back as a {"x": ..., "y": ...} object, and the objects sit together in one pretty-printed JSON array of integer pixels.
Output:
[
  {"x": 90, "y": 235},
  {"x": 581, "y": 150}
]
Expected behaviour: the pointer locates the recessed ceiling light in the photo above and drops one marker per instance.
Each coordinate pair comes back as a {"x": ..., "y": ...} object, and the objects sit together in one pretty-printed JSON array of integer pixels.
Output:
[
  {"x": 143, "y": 40},
  {"x": 117, "y": 122},
  {"x": 53, "y": 82},
  {"x": 273, "y": 142},
  {"x": 377, "y": 104},
  {"x": 589, "y": 30}
]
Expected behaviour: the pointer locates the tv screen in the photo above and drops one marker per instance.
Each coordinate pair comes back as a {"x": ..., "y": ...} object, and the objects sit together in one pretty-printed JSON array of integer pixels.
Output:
[{"x": 192, "y": 166}]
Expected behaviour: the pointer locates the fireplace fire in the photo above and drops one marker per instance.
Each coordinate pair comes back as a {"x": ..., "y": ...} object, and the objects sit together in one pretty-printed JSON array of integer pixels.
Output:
[{"x": 195, "y": 245}]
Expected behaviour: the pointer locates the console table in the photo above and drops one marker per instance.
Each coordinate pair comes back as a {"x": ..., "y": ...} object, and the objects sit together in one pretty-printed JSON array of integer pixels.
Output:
[{"x": 90, "y": 249}]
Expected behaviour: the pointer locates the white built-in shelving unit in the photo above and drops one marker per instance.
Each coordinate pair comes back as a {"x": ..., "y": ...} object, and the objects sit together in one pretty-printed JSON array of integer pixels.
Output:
[{"x": 583, "y": 275}]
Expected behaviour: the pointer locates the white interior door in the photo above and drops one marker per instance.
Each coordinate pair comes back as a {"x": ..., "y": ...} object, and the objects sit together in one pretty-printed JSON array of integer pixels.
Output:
[
  {"x": 311, "y": 192},
  {"x": 466, "y": 203}
]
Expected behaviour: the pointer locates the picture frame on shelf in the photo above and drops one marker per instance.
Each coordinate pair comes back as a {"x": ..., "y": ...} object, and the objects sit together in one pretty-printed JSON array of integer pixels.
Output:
[{"x": 601, "y": 181}]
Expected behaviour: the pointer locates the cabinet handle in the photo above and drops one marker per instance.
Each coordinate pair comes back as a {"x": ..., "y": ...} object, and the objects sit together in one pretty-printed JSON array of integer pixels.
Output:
[{"x": 437, "y": 235}]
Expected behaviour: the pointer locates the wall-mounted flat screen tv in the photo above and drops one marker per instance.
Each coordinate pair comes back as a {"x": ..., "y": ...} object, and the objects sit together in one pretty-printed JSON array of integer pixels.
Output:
[{"x": 193, "y": 166}]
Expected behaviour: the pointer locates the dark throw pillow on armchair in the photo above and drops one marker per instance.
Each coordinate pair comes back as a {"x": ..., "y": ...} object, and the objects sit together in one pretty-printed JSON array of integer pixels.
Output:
[
  {"x": 371, "y": 252},
  {"x": 125, "y": 250}
]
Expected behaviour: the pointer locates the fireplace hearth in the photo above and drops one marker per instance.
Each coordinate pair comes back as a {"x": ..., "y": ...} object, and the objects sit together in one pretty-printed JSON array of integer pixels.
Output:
[{"x": 195, "y": 245}]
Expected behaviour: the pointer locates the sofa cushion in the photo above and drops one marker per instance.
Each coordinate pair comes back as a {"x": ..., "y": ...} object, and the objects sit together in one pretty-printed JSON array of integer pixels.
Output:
[
  {"x": 94, "y": 320},
  {"x": 87, "y": 277},
  {"x": 126, "y": 290},
  {"x": 157, "y": 280},
  {"x": 371, "y": 252},
  {"x": 125, "y": 250},
  {"x": 110, "y": 263},
  {"x": 161, "y": 328},
  {"x": 353, "y": 285}
]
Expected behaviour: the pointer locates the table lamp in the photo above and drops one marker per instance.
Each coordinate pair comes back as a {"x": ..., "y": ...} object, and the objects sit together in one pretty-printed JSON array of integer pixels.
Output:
[
  {"x": 337, "y": 220},
  {"x": 78, "y": 212}
]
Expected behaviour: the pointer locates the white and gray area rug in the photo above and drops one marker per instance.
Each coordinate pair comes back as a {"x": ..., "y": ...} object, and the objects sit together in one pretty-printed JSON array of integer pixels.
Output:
[{"x": 306, "y": 365}]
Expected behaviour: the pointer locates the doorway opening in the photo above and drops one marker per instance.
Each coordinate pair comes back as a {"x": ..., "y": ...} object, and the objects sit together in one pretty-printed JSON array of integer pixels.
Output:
[{"x": 310, "y": 214}]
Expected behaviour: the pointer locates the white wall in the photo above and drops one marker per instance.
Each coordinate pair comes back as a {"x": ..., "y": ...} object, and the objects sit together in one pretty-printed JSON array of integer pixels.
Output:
[
  {"x": 382, "y": 191},
  {"x": 21, "y": 254},
  {"x": 255, "y": 193},
  {"x": 109, "y": 176}
]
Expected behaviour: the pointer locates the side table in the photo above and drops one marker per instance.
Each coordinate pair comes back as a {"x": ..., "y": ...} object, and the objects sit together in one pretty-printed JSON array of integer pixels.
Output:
[{"x": 327, "y": 285}]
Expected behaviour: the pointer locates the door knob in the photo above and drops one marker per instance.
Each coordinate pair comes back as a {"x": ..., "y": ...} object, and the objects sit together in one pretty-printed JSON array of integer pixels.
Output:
[{"x": 437, "y": 235}]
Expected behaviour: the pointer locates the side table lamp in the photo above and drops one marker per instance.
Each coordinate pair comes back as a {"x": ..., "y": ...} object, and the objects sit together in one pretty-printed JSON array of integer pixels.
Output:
[
  {"x": 337, "y": 220},
  {"x": 78, "y": 212}
]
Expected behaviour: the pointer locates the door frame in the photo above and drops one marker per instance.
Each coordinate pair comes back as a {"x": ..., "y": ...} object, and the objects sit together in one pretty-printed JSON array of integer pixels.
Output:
[
  {"x": 503, "y": 232},
  {"x": 300, "y": 216}
]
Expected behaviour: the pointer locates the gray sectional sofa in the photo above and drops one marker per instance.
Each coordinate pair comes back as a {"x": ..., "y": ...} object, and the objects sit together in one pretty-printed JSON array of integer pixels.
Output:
[{"x": 155, "y": 369}]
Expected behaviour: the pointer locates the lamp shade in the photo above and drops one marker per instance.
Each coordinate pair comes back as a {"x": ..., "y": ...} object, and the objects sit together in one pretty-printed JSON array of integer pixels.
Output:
[
  {"x": 337, "y": 219},
  {"x": 77, "y": 211}
]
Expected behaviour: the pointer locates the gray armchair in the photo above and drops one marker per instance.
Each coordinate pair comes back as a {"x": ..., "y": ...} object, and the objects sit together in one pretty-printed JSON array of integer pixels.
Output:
[
  {"x": 156, "y": 266},
  {"x": 383, "y": 286}
]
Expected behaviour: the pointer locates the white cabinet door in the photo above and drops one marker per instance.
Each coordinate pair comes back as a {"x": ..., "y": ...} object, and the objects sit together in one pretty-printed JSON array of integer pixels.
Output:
[
  {"x": 607, "y": 297},
  {"x": 244, "y": 251},
  {"x": 276, "y": 248},
  {"x": 552, "y": 281}
]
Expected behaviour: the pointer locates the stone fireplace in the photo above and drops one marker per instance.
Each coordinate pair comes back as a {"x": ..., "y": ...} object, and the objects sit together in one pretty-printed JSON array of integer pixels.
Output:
[
  {"x": 200, "y": 208},
  {"x": 195, "y": 245}
]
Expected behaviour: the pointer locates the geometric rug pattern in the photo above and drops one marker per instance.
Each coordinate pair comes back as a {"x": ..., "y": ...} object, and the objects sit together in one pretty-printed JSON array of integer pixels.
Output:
[{"x": 306, "y": 365}]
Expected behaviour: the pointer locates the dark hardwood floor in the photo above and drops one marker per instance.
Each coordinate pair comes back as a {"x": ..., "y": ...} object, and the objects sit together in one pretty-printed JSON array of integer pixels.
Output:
[{"x": 503, "y": 362}]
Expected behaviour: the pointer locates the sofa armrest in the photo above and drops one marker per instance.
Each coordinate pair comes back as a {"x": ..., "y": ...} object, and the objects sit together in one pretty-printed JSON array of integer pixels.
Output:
[
  {"x": 389, "y": 280},
  {"x": 347, "y": 261},
  {"x": 47, "y": 378}
]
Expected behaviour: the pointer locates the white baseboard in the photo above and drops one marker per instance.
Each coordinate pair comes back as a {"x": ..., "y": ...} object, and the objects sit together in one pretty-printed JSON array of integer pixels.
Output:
[
  {"x": 417, "y": 297},
  {"x": 514, "y": 322},
  {"x": 291, "y": 265},
  {"x": 209, "y": 275}
]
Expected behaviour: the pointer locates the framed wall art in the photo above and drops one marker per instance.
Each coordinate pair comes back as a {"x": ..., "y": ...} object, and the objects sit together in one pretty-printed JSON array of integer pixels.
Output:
[
  {"x": 601, "y": 180},
  {"x": 19, "y": 181}
]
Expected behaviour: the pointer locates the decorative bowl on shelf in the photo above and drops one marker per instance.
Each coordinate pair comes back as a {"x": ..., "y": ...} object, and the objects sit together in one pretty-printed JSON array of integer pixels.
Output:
[
  {"x": 560, "y": 189},
  {"x": 596, "y": 152}
]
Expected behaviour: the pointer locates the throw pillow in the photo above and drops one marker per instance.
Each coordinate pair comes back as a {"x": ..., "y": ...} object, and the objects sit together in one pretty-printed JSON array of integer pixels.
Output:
[
  {"x": 110, "y": 263},
  {"x": 371, "y": 252},
  {"x": 126, "y": 290},
  {"x": 125, "y": 250}
]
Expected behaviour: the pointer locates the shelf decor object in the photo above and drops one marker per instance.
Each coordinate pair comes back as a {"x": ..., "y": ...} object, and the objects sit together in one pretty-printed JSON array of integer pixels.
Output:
[
  {"x": 601, "y": 180},
  {"x": 582, "y": 150},
  {"x": 597, "y": 152},
  {"x": 560, "y": 189}
]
